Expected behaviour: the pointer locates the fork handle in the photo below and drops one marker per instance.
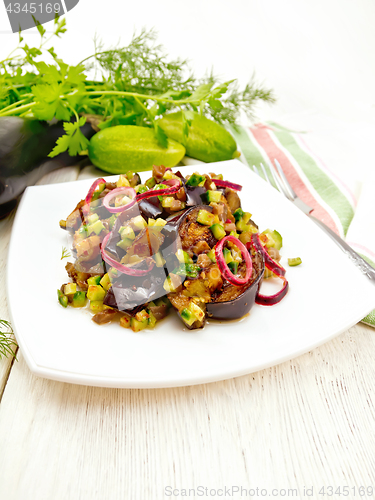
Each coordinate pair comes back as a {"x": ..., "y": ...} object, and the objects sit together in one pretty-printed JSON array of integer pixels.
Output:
[{"x": 362, "y": 265}]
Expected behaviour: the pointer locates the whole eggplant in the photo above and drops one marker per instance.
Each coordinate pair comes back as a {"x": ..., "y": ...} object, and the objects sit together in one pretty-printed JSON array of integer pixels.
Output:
[{"x": 24, "y": 147}]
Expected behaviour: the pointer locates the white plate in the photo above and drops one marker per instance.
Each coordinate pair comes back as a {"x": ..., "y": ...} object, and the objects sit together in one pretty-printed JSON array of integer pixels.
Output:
[{"x": 327, "y": 295}]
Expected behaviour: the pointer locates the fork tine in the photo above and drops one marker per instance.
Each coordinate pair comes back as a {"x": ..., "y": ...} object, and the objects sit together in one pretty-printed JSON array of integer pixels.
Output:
[
  {"x": 278, "y": 183},
  {"x": 256, "y": 170},
  {"x": 265, "y": 174},
  {"x": 292, "y": 194}
]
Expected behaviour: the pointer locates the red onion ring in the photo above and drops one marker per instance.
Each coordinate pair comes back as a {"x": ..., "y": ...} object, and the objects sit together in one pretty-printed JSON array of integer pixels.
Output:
[
  {"x": 88, "y": 199},
  {"x": 90, "y": 194},
  {"x": 223, "y": 266},
  {"x": 175, "y": 186},
  {"x": 268, "y": 260},
  {"x": 121, "y": 267},
  {"x": 270, "y": 300},
  {"x": 125, "y": 190},
  {"x": 231, "y": 185}
]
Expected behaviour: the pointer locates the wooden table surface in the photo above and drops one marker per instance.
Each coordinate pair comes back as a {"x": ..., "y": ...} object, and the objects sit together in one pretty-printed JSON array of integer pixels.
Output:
[{"x": 287, "y": 431}]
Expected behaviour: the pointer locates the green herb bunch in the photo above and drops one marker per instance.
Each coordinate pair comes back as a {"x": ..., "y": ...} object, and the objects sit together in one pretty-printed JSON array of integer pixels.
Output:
[
  {"x": 7, "y": 344},
  {"x": 133, "y": 85}
]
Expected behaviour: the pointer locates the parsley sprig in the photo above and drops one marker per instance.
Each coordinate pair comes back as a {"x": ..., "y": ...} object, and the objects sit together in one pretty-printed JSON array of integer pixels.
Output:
[{"x": 132, "y": 85}]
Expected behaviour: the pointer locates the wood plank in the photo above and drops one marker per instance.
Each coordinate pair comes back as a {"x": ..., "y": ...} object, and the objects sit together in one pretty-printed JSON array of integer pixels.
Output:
[
  {"x": 307, "y": 422},
  {"x": 65, "y": 174},
  {"x": 5, "y": 230}
]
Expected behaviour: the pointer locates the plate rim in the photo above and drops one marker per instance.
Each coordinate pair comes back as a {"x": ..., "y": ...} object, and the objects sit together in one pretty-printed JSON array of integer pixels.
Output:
[{"x": 126, "y": 382}]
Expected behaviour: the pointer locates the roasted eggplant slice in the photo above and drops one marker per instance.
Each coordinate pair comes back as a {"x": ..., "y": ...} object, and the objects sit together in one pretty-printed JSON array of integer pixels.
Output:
[
  {"x": 233, "y": 302},
  {"x": 184, "y": 228}
]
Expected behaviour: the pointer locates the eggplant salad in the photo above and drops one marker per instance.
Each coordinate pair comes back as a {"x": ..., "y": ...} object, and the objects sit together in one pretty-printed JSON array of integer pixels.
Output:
[{"x": 172, "y": 242}]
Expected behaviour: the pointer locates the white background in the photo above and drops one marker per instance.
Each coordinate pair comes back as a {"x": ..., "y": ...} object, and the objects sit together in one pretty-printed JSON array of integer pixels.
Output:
[{"x": 317, "y": 55}]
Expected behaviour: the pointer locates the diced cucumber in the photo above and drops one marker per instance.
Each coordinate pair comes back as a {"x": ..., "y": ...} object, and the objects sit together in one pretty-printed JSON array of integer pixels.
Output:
[
  {"x": 159, "y": 259},
  {"x": 139, "y": 222},
  {"x": 206, "y": 218},
  {"x": 123, "y": 181},
  {"x": 137, "y": 326},
  {"x": 213, "y": 196},
  {"x": 211, "y": 255},
  {"x": 79, "y": 299},
  {"x": 97, "y": 227},
  {"x": 125, "y": 321},
  {"x": 95, "y": 293},
  {"x": 63, "y": 299},
  {"x": 70, "y": 289},
  {"x": 150, "y": 183},
  {"x": 125, "y": 243},
  {"x": 187, "y": 316},
  {"x": 112, "y": 220},
  {"x": 127, "y": 232},
  {"x": 190, "y": 270},
  {"x": 142, "y": 315},
  {"x": 218, "y": 231},
  {"x": 196, "y": 180},
  {"x": 160, "y": 222},
  {"x": 238, "y": 214},
  {"x": 140, "y": 321},
  {"x": 227, "y": 255},
  {"x": 92, "y": 218},
  {"x": 94, "y": 280},
  {"x": 141, "y": 188},
  {"x": 274, "y": 237},
  {"x": 96, "y": 305},
  {"x": 157, "y": 224},
  {"x": 151, "y": 320},
  {"x": 241, "y": 226},
  {"x": 295, "y": 261},
  {"x": 170, "y": 175},
  {"x": 105, "y": 282},
  {"x": 246, "y": 217},
  {"x": 167, "y": 201},
  {"x": 183, "y": 257}
]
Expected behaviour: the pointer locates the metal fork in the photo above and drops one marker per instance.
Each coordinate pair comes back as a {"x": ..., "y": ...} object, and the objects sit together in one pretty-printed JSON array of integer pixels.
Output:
[{"x": 285, "y": 188}]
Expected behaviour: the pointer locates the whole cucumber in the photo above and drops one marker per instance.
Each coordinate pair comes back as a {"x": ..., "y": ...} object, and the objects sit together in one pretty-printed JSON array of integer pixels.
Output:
[
  {"x": 207, "y": 140},
  {"x": 128, "y": 147}
]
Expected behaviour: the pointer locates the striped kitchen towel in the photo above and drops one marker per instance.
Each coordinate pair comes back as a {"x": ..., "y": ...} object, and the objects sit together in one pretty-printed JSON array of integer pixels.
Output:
[{"x": 349, "y": 214}]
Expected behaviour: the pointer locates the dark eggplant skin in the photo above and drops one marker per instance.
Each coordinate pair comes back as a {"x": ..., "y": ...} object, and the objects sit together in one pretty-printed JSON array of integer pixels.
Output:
[
  {"x": 24, "y": 147},
  {"x": 132, "y": 292},
  {"x": 241, "y": 305}
]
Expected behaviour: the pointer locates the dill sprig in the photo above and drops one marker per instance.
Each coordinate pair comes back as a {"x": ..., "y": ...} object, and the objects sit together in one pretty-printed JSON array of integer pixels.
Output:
[
  {"x": 65, "y": 253},
  {"x": 7, "y": 344}
]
